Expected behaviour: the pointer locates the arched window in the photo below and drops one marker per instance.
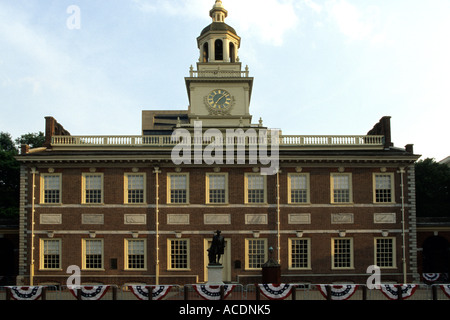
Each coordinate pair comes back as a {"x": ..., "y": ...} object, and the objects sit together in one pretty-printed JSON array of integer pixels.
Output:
[
  {"x": 218, "y": 49},
  {"x": 232, "y": 53},
  {"x": 205, "y": 52}
]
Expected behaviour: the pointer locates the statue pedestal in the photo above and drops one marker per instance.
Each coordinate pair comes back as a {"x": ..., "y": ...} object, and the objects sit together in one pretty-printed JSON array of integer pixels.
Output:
[{"x": 215, "y": 274}]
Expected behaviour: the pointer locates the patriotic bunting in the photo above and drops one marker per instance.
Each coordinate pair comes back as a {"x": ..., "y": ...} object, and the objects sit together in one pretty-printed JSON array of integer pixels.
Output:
[
  {"x": 142, "y": 292},
  {"x": 338, "y": 292},
  {"x": 210, "y": 292},
  {"x": 446, "y": 289},
  {"x": 89, "y": 292},
  {"x": 391, "y": 290},
  {"x": 276, "y": 291},
  {"x": 26, "y": 293},
  {"x": 431, "y": 277}
]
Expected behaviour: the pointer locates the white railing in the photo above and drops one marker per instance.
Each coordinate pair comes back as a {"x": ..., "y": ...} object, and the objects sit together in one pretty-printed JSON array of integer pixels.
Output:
[
  {"x": 218, "y": 73},
  {"x": 284, "y": 140}
]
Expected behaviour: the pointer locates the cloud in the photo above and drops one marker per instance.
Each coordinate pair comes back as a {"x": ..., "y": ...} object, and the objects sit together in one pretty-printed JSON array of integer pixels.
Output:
[
  {"x": 267, "y": 20},
  {"x": 356, "y": 24}
]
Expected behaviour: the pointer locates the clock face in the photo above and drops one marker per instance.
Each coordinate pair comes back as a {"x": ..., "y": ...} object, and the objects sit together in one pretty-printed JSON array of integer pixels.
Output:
[{"x": 219, "y": 99}]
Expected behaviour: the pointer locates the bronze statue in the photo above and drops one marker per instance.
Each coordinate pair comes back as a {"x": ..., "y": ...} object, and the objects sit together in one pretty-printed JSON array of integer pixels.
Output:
[{"x": 216, "y": 249}]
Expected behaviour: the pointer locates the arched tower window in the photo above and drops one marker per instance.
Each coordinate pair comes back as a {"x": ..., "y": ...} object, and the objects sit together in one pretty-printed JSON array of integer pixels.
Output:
[
  {"x": 218, "y": 49},
  {"x": 205, "y": 52},
  {"x": 232, "y": 53}
]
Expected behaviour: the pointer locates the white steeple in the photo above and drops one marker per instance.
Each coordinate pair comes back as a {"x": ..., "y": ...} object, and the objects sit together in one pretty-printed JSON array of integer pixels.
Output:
[{"x": 218, "y": 12}]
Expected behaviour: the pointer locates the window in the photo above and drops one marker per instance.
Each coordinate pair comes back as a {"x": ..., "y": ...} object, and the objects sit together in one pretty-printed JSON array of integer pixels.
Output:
[
  {"x": 50, "y": 254},
  {"x": 51, "y": 188},
  {"x": 299, "y": 253},
  {"x": 93, "y": 254},
  {"x": 93, "y": 188},
  {"x": 255, "y": 188},
  {"x": 135, "y": 188},
  {"x": 342, "y": 253},
  {"x": 217, "y": 187},
  {"x": 385, "y": 252},
  {"x": 178, "y": 254},
  {"x": 178, "y": 190},
  {"x": 218, "y": 45},
  {"x": 256, "y": 253},
  {"x": 341, "y": 188},
  {"x": 298, "y": 188},
  {"x": 135, "y": 250},
  {"x": 383, "y": 184}
]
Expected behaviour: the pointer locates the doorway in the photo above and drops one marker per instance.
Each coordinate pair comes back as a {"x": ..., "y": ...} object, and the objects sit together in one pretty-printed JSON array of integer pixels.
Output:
[{"x": 225, "y": 260}]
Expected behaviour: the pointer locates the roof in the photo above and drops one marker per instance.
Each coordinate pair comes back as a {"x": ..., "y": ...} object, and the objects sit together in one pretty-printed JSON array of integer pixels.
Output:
[{"x": 218, "y": 26}]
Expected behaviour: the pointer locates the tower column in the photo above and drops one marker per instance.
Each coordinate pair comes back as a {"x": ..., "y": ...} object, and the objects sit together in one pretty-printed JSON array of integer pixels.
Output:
[
  {"x": 212, "y": 50},
  {"x": 226, "y": 50}
]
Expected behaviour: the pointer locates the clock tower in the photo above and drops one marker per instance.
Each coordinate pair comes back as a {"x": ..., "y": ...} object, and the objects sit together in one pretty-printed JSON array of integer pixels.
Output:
[{"x": 219, "y": 91}]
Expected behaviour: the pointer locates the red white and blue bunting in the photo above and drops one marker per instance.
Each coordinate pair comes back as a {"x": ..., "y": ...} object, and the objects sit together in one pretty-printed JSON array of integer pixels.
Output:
[
  {"x": 212, "y": 292},
  {"x": 89, "y": 292},
  {"x": 338, "y": 292},
  {"x": 446, "y": 289},
  {"x": 276, "y": 291},
  {"x": 26, "y": 293},
  {"x": 391, "y": 290},
  {"x": 142, "y": 292},
  {"x": 431, "y": 277}
]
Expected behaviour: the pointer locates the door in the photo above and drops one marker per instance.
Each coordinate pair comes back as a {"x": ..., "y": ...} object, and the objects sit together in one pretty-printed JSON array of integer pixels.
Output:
[{"x": 225, "y": 260}]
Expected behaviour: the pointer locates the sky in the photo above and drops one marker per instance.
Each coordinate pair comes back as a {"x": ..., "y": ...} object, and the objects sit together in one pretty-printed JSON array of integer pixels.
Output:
[{"x": 321, "y": 67}]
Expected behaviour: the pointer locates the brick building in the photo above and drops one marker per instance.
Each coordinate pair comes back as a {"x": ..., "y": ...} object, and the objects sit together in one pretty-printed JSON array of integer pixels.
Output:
[{"x": 129, "y": 209}]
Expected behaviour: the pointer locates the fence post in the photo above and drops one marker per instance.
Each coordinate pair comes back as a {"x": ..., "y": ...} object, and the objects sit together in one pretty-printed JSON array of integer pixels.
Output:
[
  {"x": 79, "y": 293},
  {"x": 328, "y": 287},
  {"x": 44, "y": 293},
  {"x": 434, "y": 292},
  {"x": 185, "y": 292},
  {"x": 150, "y": 293},
  {"x": 399, "y": 292},
  {"x": 258, "y": 295},
  {"x": 294, "y": 293},
  {"x": 8, "y": 293},
  {"x": 114, "y": 293},
  {"x": 364, "y": 292},
  {"x": 222, "y": 293}
]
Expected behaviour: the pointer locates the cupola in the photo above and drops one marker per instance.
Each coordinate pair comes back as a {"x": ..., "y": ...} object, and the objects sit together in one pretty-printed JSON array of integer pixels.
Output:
[{"x": 218, "y": 42}]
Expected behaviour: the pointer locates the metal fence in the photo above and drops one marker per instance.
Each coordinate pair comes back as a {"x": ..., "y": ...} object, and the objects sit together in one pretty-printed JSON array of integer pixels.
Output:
[{"x": 225, "y": 292}]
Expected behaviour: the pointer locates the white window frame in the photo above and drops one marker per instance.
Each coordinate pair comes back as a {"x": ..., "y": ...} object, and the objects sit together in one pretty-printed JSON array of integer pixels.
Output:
[
  {"x": 127, "y": 254},
  {"x": 291, "y": 254},
  {"x": 42, "y": 254},
  {"x": 393, "y": 255},
  {"x": 83, "y": 191},
  {"x": 247, "y": 253},
  {"x": 144, "y": 190},
  {"x": 169, "y": 177},
  {"x": 207, "y": 196},
  {"x": 333, "y": 253},
  {"x": 391, "y": 175},
  {"x": 289, "y": 189},
  {"x": 83, "y": 252},
  {"x": 246, "y": 184},
  {"x": 45, "y": 175},
  {"x": 169, "y": 254},
  {"x": 350, "y": 187}
]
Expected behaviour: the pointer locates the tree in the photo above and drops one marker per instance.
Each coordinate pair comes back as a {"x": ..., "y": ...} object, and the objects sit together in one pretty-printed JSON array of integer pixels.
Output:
[
  {"x": 9, "y": 177},
  {"x": 34, "y": 140},
  {"x": 432, "y": 189}
]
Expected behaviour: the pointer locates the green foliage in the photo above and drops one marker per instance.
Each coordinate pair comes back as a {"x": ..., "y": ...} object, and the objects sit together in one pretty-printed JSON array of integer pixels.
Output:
[
  {"x": 432, "y": 188},
  {"x": 34, "y": 140},
  {"x": 9, "y": 177}
]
